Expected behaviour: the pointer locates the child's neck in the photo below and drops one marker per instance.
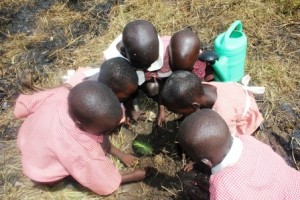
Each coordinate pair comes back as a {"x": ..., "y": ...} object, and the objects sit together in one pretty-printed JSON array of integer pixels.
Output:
[{"x": 210, "y": 96}]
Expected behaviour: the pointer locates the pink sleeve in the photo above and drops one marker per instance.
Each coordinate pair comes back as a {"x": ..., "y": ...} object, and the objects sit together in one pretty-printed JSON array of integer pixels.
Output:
[
  {"x": 92, "y": 169},
  {"x": 78, "y": 76},
  {"x": 27, "y": 104}
]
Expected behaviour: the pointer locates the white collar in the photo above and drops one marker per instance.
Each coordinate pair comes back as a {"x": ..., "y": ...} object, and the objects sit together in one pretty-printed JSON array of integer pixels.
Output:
[
  {"x": 112, "y": 52},
  {"x": 232, "y": 156},
  {"x": 160, "y": 60}
]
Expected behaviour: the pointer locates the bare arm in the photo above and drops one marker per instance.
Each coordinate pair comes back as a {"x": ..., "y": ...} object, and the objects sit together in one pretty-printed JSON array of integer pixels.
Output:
[
  {"x": 126, "y": 158},
  {"x": 137, "y": 175}
]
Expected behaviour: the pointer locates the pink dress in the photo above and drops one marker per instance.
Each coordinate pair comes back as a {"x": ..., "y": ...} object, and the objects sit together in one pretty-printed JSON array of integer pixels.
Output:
[
  {"x": 237, "y": 107},
  {"x": 52, "y": 147},
  {"x": 260, "y": 173}
]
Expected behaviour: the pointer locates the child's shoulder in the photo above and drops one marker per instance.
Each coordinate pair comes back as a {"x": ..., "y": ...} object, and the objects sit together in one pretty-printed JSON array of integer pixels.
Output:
[{"x": 229, "y": 85}]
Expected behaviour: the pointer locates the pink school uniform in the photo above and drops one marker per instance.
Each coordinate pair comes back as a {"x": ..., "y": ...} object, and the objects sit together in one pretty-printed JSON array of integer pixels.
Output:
[
  {"x": 258, "y": 173},
  {"x": 52, "y": 147},
  {"x": 237, "y": 107}
]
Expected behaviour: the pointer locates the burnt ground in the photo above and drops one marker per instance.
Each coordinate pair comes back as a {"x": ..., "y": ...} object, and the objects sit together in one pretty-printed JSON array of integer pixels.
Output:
[{"x": 281, "y": 128}]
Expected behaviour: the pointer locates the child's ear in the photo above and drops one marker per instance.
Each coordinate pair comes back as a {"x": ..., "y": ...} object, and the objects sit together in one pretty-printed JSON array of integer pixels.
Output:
[
  {"x": 79, "y": 125},
  {"x": 195, "y": 106}
]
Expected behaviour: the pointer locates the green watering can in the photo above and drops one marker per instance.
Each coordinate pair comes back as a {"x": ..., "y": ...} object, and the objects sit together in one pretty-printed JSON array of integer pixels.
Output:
[{"x": 230, "y": 47}]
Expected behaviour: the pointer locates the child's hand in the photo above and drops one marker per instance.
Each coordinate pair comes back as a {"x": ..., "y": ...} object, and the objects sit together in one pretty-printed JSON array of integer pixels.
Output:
[
  {"x": 188, "y": 167},
  {"x": 160, "y": 119},
  {"x": 137, "y": 175},
  {"x": 142, "y": 173},
  {"x": 135, "y": 115},
  {"x": 127, "y": 159}
]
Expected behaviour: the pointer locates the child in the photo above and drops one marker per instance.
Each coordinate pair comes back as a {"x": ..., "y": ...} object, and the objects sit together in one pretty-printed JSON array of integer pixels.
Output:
[
  {"x": 242, "y": 167},
  {"x": 62, "y": 133},
  {"x": 118, "y": 74},
  {"x": 183, "y": 52},
  {"x": 141, "y": 45},
  {"x": 183, "y": 93}
]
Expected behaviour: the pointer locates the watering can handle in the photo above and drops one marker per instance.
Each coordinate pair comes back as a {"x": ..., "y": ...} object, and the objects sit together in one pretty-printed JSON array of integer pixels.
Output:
[{"x": 236, "y": 24}]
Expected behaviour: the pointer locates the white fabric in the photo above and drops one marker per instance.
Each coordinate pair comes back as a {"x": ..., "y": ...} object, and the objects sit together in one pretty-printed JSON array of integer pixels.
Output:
[
  {"x": 160, "y": 60},
  {"x": 91, "y": 72},
  {"x": 65, "y": 78},
  {"x": 256, "y": 90},
  {"x": 232, "y": 157},
  {"x": 141, "y": 76},
  {"x": 112, "y": 52},
  {"x": 164, "y": 75}
]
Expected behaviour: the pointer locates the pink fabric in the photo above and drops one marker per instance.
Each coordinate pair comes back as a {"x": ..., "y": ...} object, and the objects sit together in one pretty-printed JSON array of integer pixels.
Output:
[
  {"x": 78, "y": 76},
  {"x": 52, "y": 147},
  {"x": 230, "y": 104},
  {"x": 199, "y": 67},
  {"x": 260, "y": 173}
]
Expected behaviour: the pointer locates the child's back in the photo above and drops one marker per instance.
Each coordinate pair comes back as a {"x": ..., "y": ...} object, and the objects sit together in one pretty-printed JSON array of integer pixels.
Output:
[
  {"x": 260, "y": 173},
  {"x": 242, "y": 167},
  {"x": 61, "y": 135},
  {"x": 183, "y": 93},
  {"x": 237, "y": 106},
  {"x": 50, "y": 142}
]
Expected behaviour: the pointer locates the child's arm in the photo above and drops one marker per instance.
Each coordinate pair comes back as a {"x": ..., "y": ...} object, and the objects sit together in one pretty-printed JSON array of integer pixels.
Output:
[
  {"x": 161, "y": 114},
  {"x": 130, "y": 110},
  {"x": 126, "y": 158},
  {"x": 136, "y": 175},
  {"x": 161, "y": 108},
  {"x": 108, "y": 147}
]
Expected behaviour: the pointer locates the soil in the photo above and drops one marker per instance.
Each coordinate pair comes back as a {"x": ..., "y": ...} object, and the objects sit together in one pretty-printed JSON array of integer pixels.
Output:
[{"x": 168, "y": 181}]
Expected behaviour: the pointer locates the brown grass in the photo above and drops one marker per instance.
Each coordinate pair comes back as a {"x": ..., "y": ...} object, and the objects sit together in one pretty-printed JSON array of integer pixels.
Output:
[{"x": 272, "y": 28}]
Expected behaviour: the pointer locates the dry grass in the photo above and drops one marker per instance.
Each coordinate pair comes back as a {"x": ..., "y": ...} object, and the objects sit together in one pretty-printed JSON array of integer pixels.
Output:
[{"x": 77, "y": 37}]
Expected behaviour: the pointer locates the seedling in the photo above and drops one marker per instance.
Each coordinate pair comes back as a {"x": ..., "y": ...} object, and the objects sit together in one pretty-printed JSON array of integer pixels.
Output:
[{"x": 143, "y": 147}]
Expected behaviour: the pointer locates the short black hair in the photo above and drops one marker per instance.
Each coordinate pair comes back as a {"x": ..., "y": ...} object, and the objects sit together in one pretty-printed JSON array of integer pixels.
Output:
[
  {"x": 205, "y": 134},
  {"x": 181, "y": 89},
  {"x": 117, "y": 73},
  {"x": 184, "y": 50},
  {"x": 90, "y": 101},
  {"x": 141, "y": 43}
]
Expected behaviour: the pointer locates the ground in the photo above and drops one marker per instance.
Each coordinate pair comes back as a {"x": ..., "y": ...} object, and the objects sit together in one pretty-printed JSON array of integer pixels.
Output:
[{"x": 41, "y": 39}]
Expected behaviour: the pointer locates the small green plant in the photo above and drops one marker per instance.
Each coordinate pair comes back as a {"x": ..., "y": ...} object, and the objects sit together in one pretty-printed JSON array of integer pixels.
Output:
[{"x": 143, "y": 147}]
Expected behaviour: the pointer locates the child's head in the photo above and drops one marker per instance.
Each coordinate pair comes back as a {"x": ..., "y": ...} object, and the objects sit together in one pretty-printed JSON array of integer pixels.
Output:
[
  {"x": 119, "y": 75},
  {"x": 94, "y": 108},
  {"x": 141, "y": 43},
  {"x": 184, "y": 50},
  {"x": 205, "y": 136},
  {"x": 182, "y": 93}
]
